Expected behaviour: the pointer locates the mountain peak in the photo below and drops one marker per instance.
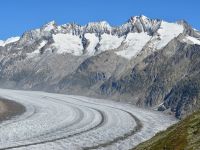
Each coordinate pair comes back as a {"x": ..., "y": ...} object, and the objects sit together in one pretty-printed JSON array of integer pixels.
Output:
[
  {"x": 143, "y": 17},
  {"x": 102, "y": 24},
  {"x": 49, "y": 26},
  {"x": 9, "y": 40},
  {"x": 133, "y": 19},
  {"x": 98, "y": 27}
]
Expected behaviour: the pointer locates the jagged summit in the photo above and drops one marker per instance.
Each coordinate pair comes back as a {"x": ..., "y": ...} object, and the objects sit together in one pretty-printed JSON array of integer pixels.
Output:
[
  {"x": 96, "y": 37},
  {"x": 141, "y": 17},
  {"x": 102, "y": 24},
  {"x": 134, "y": 24},
  {"x": 49, "y": 26},
  {"x": 98, "y": 27},
  {"x": 138, "y": 24}
]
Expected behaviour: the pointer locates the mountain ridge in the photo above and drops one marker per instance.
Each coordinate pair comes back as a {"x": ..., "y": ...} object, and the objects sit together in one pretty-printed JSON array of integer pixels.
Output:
[{"x": 141, "y": 62}]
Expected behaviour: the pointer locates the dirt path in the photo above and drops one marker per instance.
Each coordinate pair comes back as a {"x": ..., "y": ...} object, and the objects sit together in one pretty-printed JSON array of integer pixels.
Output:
[{"x": 9, "y": 109}]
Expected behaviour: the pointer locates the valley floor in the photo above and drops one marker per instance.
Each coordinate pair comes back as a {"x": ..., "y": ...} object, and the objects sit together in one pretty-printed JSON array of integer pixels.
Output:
[{"x": 60, "y": 122}]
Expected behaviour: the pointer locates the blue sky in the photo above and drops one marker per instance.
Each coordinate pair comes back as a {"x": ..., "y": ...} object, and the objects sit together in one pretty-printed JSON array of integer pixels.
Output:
[{"x": 18, "y": 16}]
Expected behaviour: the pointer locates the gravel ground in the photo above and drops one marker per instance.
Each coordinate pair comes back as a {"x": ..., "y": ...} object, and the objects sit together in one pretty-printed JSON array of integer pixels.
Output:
[{"x": 9, "y": 109}]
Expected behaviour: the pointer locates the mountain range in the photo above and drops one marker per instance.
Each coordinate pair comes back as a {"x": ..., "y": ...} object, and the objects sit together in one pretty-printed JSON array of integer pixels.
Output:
[{"x": 147, "y": 62}]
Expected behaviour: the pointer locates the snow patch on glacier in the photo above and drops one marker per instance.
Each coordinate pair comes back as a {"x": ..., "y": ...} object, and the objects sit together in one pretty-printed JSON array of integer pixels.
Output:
[
  {"x": 190, "y": 39},
  {"x": 93, "y": 41},
  {"x": 133, "y": 44},
  {"x": 167, "y": 32},
  {"x": 109, "y": 42},
  {"x": 68, "y": 43}
]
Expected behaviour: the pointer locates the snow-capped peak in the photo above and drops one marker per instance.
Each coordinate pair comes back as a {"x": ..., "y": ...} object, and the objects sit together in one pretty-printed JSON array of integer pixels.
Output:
[
  {"x": 98, "y": 27},
  {"x": 9, "y": 40},
  {"x": 133, "y": 19},
  {"x": 191, "y": 40},
  {"x": 167, "y": 32},
  {"x": 144, "y": 17},
  {"x": 195, "y": 29},
  {"x": 144, "y": 24},
  {"x": 52, "y": 22},
  {"x": 95, "y": 37},
  {"x": 101, "y": 24},
  {"x": 49, "y": 26}
]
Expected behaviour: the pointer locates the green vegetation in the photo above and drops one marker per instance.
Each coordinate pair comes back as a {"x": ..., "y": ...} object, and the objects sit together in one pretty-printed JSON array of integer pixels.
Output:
[{"x": 184, "y": 135}]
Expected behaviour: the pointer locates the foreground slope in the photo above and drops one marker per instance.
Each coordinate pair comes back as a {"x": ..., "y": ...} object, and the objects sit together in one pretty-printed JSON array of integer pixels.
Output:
[{"x": 183, "y": 135}]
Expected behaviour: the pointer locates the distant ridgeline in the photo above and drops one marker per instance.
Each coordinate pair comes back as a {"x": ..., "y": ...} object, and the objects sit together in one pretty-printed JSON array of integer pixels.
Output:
[{"x": 146, "y": 62}]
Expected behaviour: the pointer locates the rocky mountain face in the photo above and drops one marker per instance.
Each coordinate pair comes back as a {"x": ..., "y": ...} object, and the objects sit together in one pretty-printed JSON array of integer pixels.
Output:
[{"x": 147, "y": 62}]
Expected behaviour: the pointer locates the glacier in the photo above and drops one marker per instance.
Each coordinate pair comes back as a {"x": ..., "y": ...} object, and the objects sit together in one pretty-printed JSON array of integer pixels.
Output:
[{"x": 56, "y": 121}]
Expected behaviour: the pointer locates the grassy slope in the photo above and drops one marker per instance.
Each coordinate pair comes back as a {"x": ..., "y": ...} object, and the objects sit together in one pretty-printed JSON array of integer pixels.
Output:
[{"x": 184, "y": 135}]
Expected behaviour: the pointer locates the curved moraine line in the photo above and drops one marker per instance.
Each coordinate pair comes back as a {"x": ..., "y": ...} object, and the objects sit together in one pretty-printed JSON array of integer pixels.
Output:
[{"x": 70, "y": 122}]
